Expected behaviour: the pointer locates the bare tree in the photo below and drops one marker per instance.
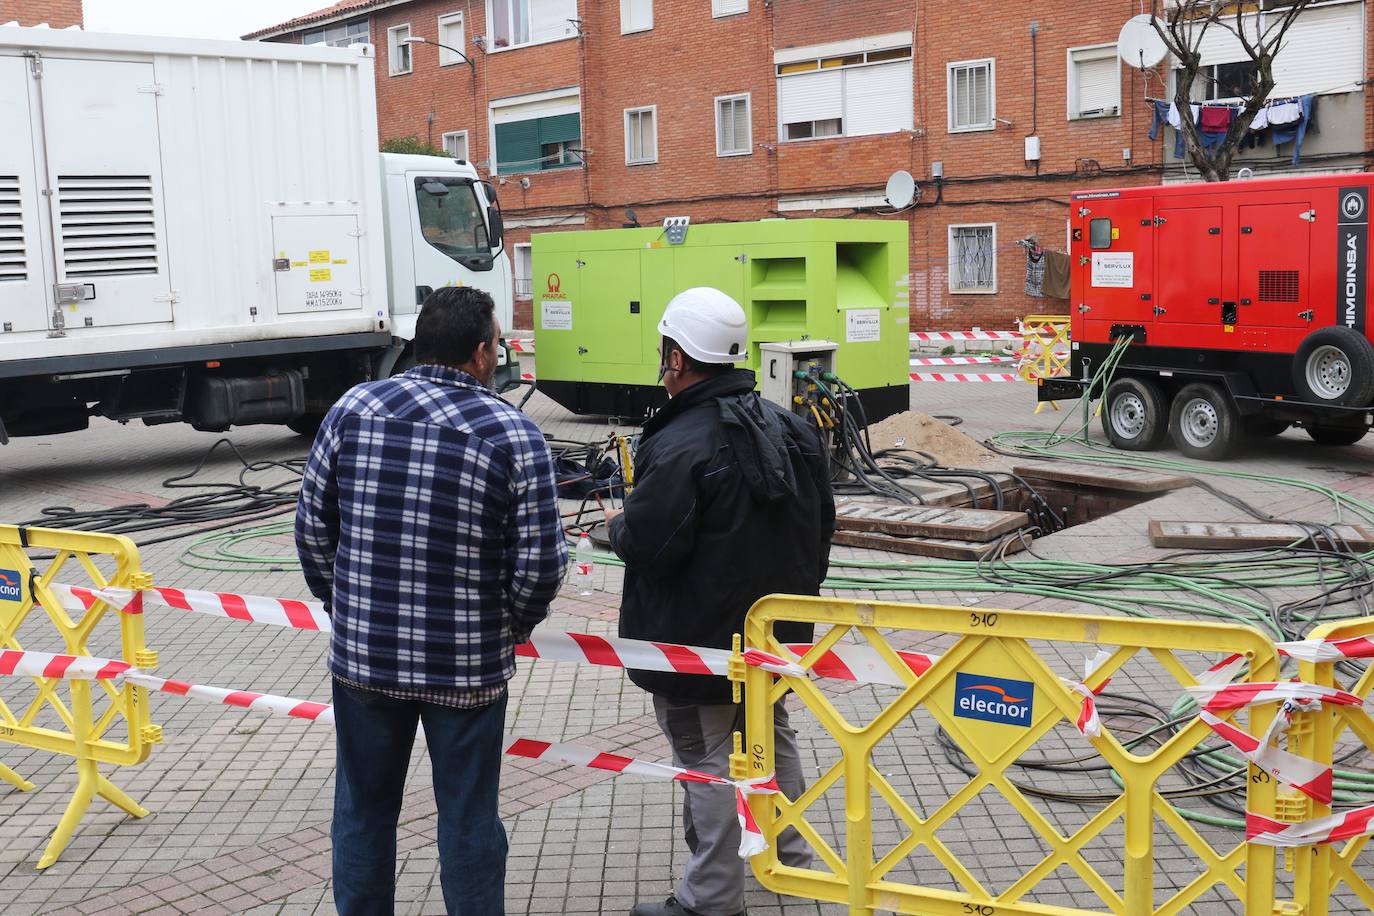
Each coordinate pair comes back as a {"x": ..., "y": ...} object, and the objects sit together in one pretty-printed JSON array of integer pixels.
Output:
[{"x": 1260, "y": 27}]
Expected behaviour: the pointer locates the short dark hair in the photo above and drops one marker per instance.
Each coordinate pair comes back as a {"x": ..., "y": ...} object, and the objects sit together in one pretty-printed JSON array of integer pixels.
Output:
[
  {"x": 453, "y": 323},
  {"x": 691, "y": 364}
]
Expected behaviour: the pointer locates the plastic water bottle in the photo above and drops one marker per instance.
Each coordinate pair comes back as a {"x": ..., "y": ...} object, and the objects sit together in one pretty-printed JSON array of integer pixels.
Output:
[{"x": 584, "y": 563}]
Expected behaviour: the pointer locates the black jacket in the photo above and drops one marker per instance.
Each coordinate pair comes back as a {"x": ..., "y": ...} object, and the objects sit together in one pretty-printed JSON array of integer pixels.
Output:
[{"x": 731, "y": 502}]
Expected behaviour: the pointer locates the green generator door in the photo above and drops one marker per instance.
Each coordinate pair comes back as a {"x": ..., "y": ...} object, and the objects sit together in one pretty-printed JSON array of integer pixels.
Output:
[{"x": 608, "y": 325}]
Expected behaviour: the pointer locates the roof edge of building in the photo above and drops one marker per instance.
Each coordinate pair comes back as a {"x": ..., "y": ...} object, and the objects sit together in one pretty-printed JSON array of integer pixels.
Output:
[{"x": 320, "y": 17}]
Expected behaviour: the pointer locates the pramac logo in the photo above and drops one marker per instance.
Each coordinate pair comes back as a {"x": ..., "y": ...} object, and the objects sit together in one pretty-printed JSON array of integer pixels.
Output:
[
  {"x": 554, "y": 284},
  {"x": 993, "y": 699},
  {"x": 11, "y": 585}
]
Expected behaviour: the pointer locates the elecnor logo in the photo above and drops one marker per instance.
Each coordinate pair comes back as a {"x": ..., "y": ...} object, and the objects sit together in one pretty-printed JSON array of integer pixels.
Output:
[
  {"x": 1352, "y": 258},
  {"x": 11, "y": 586},
  {"x": 993, "y": 699}
]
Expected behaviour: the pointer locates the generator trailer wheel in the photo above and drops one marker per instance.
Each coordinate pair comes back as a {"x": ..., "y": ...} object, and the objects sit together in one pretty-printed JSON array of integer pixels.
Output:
[
  {"x": 1336, "y": 435},
  {"x": 1135, "y": 416},
  {"x": 1335, "y": 365},
  {"x": 1204, "y": 422}
]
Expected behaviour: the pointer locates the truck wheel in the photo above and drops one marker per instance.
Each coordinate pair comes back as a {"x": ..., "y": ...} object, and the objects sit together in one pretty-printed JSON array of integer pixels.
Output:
[
  {"x": 1134, "y": 415},
  {"x": 1204, "y": 422},
  {"x": 1263, "y": 427},
  {"x": 1336, "y": 435},
  {"x": 1335, "y": 365}
]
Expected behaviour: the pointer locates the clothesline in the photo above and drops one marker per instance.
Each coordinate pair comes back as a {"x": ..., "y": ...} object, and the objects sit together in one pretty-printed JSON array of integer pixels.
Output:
[{"x": 1352, "y": 84}]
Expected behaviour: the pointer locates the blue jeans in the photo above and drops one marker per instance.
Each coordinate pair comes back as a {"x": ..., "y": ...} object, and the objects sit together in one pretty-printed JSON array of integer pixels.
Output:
[{"x": 375, "y": 734}]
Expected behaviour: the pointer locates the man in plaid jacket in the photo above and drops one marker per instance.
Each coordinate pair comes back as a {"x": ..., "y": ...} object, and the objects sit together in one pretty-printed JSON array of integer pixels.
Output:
[{"x": 428, "y": 525}]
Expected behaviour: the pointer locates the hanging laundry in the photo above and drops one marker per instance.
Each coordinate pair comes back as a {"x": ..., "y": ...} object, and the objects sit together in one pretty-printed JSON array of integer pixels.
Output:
[
  {"x": 1160, "y": 117},
  {"x": 1214, "y": 123},
  {"x": 1057, "y": 270},
  {"x": 1296, "y": 132},
  {"x": 1261, "y": 119},
  {"x": 1035, "y": 272},
  {"x": 1285, "y": 111}
]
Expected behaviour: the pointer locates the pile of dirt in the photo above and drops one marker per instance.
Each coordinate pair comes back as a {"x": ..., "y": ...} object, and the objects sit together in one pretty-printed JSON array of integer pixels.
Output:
[{"x": 924, "y": 433}]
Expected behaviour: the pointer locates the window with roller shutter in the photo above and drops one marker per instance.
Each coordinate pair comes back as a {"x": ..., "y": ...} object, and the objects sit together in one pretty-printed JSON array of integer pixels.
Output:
[
  {"x": 851, "y": 95},
  {"x": 1094, "y": 82},
  {"x": 636, "y": 16},
  {"x": 538, "y": 144}
]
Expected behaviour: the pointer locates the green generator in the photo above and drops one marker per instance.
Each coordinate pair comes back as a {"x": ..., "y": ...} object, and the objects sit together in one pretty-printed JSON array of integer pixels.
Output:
[{"x": 598, "y": 297}]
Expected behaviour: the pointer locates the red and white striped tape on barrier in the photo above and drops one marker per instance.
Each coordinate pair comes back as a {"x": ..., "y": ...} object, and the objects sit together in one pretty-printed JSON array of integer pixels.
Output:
[
  {"x": 1317, "y": 651},
  {"x": 45, "y": 664},
  {"x": 1089, "y": 724},
  {"x": 959, "y": 360},
  {"x": 965, "y": 377},
  {"x": 1347, "y": 825},
  {"x": 521, "y": 344},
  {"x": 844, "y": 662},
  {"x": 965, "y": 335}
]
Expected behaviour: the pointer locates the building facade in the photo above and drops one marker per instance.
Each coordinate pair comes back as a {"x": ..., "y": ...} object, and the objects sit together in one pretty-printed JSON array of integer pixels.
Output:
[
  {"x": 582, "y": 110},
  {"x": 57, "y": 14}
]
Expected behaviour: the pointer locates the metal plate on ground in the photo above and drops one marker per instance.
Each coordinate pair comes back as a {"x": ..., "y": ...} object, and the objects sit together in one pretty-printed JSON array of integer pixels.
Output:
[
  {"x": 1251, "y": 535},
  {"x": 926, "y": 547},
  {"x": 1105, "y": 478},
  {"x": 929, "y": 521}
]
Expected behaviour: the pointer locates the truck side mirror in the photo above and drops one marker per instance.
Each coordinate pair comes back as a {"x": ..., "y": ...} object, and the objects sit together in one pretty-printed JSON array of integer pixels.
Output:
[{"x": 495, "y": 226}]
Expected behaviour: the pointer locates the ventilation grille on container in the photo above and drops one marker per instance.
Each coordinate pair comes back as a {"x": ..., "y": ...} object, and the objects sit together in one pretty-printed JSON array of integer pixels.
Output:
[
  {"x": 108, "y": 226},
  {"x": 1278, "y": 286},
  {"x": 13, "y": 262}
]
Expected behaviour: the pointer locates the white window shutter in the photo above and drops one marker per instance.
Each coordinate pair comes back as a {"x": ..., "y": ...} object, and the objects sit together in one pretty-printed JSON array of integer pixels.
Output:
[
  {"x": 550, "y": 19},
  {"x": 878, "y": 99},
  {"x": 636, "y": 15},
  {"x": 810, "y": 97},
  {"x": 1098, "y": 83},
  {"x": 1324, "y": 50},
  {"x": 741, "y": 134},
  {"x": 728, "y": 7}
]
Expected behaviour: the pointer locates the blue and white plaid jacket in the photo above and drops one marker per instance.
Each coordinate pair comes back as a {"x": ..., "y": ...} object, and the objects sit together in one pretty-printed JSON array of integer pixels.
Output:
[{"x": 428, "y": 525}]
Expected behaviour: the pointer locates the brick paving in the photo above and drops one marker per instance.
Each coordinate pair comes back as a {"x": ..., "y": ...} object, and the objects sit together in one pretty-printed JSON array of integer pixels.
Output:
[{"x": 241, "y": 802}]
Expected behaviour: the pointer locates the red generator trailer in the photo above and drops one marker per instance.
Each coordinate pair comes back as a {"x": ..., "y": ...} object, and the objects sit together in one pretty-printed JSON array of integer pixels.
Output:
[{"x": 1245, "y": 303}]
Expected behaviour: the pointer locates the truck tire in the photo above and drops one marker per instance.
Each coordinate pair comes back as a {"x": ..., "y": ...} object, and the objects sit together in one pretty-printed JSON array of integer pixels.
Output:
[
  {"x": 1204, "y": 422},
  {"x": 1135, "y": 416},
  {"x": 1264, "y": 427},
  {"x": 1336, "y": 435},
  {"x": 1335, "y": 365}
]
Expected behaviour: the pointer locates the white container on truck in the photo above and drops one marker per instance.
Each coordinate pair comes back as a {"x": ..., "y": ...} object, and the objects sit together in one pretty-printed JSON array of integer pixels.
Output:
[{"x": 205, "y": 231}]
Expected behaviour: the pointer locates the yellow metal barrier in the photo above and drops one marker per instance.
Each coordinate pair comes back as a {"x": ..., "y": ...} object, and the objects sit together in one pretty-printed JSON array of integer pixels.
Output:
[
  {"x": 1044, "y": 350},
  {"x": 1321, "y": 870},
  {"x": 995, "y": 646},
  {"x": 99, "y": 722}
]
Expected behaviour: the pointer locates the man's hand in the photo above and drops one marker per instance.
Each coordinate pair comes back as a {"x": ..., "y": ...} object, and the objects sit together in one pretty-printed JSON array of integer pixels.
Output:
[{"x": 612, "y": 513}]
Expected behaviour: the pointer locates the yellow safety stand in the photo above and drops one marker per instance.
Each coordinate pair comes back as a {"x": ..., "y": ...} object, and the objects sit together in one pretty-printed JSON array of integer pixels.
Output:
[
  {"x": 99, "y": 722},
  {"x": 1044, "y": 350},
  {"x": 994, "y": 644},
  {"x": 1320, "y": 870}
]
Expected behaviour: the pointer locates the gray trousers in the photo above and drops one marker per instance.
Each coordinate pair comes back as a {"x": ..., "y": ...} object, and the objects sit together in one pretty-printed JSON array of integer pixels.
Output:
[{"x": 701, "y": 737}]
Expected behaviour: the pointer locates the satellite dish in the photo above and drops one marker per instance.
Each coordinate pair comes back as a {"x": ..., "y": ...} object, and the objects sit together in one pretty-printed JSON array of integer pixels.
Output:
[
  {"x": 901, "y": 189},
  {"x": 1139, "y": 44}
]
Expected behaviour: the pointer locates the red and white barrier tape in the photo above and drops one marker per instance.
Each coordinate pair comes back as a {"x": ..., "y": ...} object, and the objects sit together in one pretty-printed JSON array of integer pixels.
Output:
[
  {"x": 521, "y": 344},
  {"x": 1347, "y": 825},
  {"x": 1316, "y": 650},
  {"x": 24, "y": 663},
  {"x": 282, "y": 612},
  {"x": 965, "y": 377},
  {"x": 959, "y": 360},
  {"x": 965, "y": 335},
  {"x": 1088, "y": 723}
]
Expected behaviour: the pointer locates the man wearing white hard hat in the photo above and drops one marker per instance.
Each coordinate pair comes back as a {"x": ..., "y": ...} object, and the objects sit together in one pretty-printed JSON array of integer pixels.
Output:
[{"x": 732, "y": 502}]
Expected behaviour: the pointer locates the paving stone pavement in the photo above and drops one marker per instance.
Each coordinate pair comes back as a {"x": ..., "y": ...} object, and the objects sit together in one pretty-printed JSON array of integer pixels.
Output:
[{"x": 241, "y": 802}]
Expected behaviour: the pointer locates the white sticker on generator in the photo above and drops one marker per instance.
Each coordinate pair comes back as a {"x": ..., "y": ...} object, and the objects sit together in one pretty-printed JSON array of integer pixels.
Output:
[
  {"x": 1114, "y": 269},
  {"x": 557, "y": 315},
  {"x": 863, "y": 325}
]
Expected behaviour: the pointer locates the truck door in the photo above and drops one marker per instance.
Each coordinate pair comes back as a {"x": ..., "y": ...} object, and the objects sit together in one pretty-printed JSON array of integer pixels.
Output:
[
  {"x": 451, "y": 246},
  {"x": 1115, "y": 283},
  {"x": 1274, "y": 253},
  {"x": 103, "y": 161},
  {"x": 23, "y": 285},
  {"x": 1188, "y": 275},
  {"x": 610, "y": 310}
]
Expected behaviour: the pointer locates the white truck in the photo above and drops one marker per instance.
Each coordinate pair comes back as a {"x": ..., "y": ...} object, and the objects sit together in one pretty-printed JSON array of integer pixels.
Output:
[{"x": 204, "y": 231}]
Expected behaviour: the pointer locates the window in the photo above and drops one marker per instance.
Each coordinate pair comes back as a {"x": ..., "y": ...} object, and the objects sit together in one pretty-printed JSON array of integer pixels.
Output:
[
  {"x": 1100, "y": 233},
  {"x": 641, "y": 135},
  {"x": 456, "y": 144},
  {"x": 1226, "y": 81},
  {"x": 451, "y": 34},
  {"x": 1094, "y": 82},
  {"x": 851, "y": 95},
  {"x": 734, "y": 130},
  {"x": 514, "y": 23},
  {"x": 973, "y": 259},
  {"x": 537, "y": 133},
  {"x": 451, "y": 222},
  {"x": 636, "y": 16},
  {"x": 972, "y": 96},
  {"x": 523, "y": 270},
  {"x": 339, "y": 36},
  {"x": 397, "y": 49},
  {"x": 728, "y": 7}
]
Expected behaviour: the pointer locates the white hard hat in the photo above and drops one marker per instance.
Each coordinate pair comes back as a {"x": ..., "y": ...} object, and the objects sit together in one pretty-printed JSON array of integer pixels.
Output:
[{"x": 708, "y": 325}]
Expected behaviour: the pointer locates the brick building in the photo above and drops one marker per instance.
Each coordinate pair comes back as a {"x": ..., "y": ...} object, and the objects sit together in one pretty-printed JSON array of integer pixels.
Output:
[
  {"x": 59, "y": 14},
  {"x": 749, "y": 109}
]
